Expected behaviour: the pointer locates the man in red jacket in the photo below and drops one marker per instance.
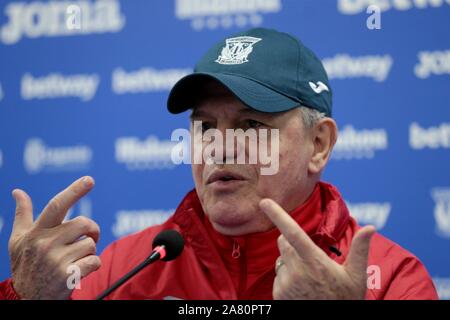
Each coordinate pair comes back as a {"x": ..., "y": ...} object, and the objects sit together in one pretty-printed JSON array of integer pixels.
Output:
[{"x": 248, "y": 234}]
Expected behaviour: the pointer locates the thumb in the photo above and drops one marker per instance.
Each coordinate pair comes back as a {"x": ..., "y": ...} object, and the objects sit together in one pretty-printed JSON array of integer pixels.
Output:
[
  {"x": 356, "y": 263},
  {"x": 23, "y": 220}
]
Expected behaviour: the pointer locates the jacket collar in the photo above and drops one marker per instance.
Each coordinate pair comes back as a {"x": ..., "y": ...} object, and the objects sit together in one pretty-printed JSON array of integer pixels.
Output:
[{"x": 324, "y": 216}]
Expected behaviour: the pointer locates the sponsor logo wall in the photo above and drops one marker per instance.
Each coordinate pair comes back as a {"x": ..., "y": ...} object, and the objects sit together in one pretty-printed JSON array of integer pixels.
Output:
[{"x": 90, "y": 99}]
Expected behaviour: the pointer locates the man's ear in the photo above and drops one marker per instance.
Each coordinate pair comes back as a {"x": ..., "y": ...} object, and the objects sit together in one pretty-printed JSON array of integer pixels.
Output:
[{"x": 323, "y": 135}]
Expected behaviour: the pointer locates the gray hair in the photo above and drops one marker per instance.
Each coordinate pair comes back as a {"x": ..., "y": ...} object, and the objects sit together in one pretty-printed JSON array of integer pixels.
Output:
[{"x": 311, "y": 116}]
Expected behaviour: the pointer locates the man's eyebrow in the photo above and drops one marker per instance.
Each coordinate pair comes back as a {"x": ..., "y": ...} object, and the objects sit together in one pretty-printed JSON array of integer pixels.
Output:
[
  {"x": 254, "y": 113},
  {"x": 245, "y": 112},
  {"x": 197, "y": 113}
]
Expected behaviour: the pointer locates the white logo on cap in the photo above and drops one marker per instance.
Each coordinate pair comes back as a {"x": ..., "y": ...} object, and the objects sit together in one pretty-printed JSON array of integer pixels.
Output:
[
  {"x": 318, "y": 87},
  {"x": 236, "y": 50}
]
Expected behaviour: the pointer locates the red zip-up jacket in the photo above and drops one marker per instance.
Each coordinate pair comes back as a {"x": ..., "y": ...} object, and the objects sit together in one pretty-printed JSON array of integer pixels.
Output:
[{"x": 214, "y": 266}]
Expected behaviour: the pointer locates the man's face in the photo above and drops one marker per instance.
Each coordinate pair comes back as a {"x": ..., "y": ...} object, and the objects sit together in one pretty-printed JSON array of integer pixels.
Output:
[{"x": 233, "y": 205}]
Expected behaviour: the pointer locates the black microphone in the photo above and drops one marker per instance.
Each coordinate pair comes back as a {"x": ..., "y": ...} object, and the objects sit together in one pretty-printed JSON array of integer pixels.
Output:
[{"x": 167, "y": 245}]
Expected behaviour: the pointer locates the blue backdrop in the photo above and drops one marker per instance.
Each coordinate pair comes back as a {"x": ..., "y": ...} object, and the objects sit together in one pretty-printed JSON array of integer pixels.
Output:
[{"x": 89, "y": 98}]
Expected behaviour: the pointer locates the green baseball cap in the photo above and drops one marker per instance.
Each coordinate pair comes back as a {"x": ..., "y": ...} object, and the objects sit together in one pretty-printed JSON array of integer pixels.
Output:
[{"x": 267, "y": 70}]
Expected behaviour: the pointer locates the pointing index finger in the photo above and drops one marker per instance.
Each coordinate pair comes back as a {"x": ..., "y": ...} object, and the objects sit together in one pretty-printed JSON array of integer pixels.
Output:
[
  {"x": 55, "y": 211},
  {"x": 289, "y": 228}
]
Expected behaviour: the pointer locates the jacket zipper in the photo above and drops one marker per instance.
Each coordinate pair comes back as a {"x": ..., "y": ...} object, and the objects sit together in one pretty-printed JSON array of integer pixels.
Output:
[{"x": 237, "y": 253}]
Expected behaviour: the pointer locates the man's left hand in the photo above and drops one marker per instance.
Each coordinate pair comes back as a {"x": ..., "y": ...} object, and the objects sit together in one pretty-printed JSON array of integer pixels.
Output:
[{"x": 306, "y": 272}]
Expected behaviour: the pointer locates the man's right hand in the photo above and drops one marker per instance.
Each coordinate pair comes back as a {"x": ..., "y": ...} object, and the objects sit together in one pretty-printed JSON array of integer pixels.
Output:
[{"x": 41, "y": 251}]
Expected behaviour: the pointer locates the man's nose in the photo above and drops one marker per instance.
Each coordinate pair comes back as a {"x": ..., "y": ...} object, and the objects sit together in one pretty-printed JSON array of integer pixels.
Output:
[{"x": 232, "y": 147}]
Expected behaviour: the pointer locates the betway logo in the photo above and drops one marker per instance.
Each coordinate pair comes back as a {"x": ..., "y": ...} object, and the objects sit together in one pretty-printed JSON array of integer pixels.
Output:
[
  {"x": 359, "y": 144},
  {"x": 38, "y": 157},
  {"x": 343, "y": 66},
  {"x": 151, "y": 153},
  {"x": 55, "y": 85},
  {"x": 441, "y": 197},
  {"x": 358, "y": 6},
  {"x": 146, "y": 80},
  {"x": 372, "y": 213},
  {"x": 442, "y": 287},
  {"x": 432, "y": 137},
  {"x": 213, "y": 14},
  {"x": 432, "y": 63},
  {"x": 130, "y": 221},
  {"x": 48, "y": 19}
]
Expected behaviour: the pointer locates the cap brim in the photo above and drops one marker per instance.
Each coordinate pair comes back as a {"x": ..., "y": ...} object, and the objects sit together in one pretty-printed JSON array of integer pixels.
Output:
[{"x": 253, "y": 94}]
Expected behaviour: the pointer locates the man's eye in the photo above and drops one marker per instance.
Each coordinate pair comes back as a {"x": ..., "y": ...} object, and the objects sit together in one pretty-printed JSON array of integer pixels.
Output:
[
  {"x": 205, "y": 126},
  {"x": 254, "y": 123}
]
